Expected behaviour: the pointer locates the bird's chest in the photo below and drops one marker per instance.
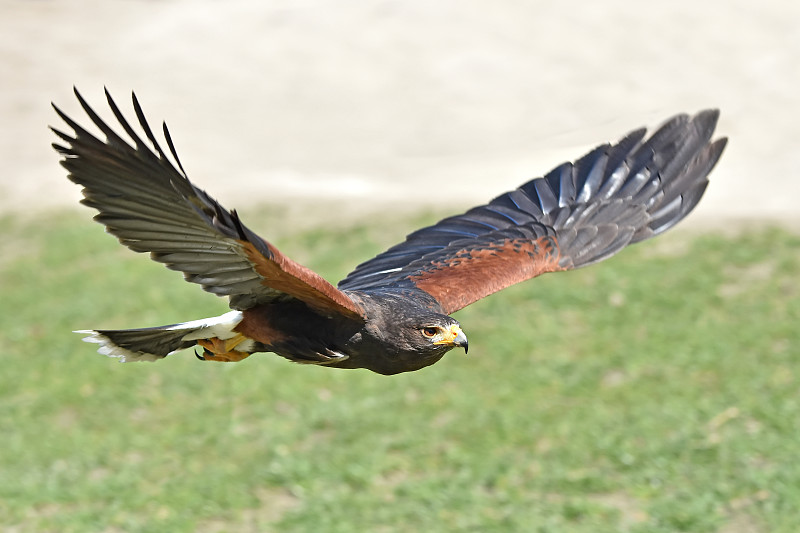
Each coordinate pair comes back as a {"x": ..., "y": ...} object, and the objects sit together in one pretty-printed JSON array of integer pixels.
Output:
[{"x": 295, "y": 331}]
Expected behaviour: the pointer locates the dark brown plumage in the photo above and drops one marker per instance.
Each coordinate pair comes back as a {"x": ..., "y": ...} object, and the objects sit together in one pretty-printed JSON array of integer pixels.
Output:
[{"x": 390, "y": 314}]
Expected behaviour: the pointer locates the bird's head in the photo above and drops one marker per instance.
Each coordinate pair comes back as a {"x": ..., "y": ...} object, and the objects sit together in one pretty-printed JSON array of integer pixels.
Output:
[
  {"x": 403, "y": 332},
  {"x": 419, "y": 340},
  {"x": 439, "y": 333},
  {"x": 395, "y": 343}
]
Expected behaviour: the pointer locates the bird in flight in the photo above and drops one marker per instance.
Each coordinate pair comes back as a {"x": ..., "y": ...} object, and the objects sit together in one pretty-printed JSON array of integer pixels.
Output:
[{"x": 391, "y": 313}]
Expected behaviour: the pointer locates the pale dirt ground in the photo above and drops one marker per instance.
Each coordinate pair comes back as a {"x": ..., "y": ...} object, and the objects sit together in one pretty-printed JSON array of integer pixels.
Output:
[{"x": 349, "y": 107}]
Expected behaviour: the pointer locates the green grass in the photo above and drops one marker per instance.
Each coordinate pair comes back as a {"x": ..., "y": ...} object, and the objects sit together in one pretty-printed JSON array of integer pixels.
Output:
[{"x": 656, "y": 392}]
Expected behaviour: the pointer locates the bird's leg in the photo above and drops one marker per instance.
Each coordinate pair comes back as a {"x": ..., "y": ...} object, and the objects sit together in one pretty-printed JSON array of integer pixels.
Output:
[{"x": 216, "y": 349}]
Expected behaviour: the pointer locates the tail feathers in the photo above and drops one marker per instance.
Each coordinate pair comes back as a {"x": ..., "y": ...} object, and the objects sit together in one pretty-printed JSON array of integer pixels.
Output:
[
  {"x": 152, "y": 344},
  {"x": 144, "y": 344}
]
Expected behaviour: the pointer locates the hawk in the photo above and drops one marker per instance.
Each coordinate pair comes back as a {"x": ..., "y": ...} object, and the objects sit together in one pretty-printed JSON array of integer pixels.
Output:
[{"x": 391, "y": 313}]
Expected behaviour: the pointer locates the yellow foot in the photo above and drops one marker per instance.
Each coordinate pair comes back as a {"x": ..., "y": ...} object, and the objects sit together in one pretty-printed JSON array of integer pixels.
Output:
[{"x": 222, "y": 350}]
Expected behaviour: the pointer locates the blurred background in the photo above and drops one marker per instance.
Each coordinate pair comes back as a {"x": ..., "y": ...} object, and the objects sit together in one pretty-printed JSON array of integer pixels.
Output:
[
  {"x": 656, "y": 392},
  {"x": 411, "y": 102}
]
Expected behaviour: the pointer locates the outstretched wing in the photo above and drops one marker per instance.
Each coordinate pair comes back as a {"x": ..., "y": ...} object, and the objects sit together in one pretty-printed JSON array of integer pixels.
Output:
[
  {"x": 578, "y": 214},
  {"x": 151, "y": 206}
]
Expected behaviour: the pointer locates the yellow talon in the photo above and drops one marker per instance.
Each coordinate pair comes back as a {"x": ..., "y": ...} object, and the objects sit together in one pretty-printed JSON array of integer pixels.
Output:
[
  {"x": 222, "y": 350},
  {"x": 233, "y": 342}
]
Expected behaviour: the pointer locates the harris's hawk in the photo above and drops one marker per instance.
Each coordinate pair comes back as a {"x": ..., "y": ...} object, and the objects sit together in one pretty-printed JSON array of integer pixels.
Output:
[{"x": 390, "y": 314}]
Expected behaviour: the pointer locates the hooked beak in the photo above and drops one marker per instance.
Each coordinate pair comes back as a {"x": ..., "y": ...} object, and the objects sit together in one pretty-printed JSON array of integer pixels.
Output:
[
  {"x": 455, "y": 337},
  {"x": 461, "y": 341}
]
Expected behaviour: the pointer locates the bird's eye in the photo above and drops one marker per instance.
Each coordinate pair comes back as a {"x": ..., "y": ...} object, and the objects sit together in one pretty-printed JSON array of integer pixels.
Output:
[{"x": 430, "y": 331}]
